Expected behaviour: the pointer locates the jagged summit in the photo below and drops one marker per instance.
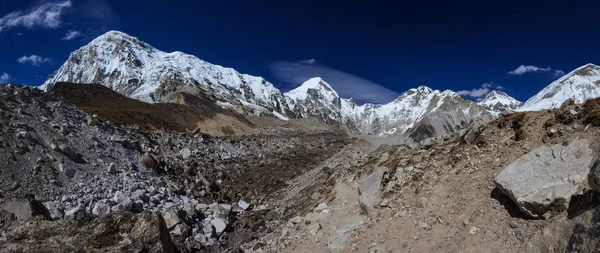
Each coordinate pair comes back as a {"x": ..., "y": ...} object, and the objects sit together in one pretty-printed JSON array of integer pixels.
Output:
[
  {"x": 498, "y": 101},
  {"x": 317, "y": 84},
  {"x": 579, "y": 85}
]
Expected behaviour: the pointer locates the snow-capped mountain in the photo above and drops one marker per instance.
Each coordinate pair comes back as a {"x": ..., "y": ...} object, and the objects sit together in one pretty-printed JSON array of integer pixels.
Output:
[
  {"x": 579, "y": 85},
  {"x": 443, "y": 112},
  {"x": 497, "y": 101},
  {"x": 140, "y": 71}
]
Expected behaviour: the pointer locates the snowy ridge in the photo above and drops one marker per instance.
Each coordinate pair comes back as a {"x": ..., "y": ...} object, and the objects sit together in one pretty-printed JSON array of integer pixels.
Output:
[
  {"x": 497, "y": 101},
  {"x": 137, "y": 70},
  {"x": 140, "y": 71},
  {"x": 579, "y": 85}
]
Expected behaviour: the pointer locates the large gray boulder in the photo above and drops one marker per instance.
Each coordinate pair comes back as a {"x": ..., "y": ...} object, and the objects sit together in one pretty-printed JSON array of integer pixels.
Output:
[
  {"x": 542, "y": 181},
  {"x": 369, "y": 190}
]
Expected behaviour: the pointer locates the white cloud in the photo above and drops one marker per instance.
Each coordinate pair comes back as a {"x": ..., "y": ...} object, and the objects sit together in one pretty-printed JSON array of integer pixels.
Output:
[
  {"x": 480, "y": 92},
  {"x": 347, "y": 85},
  {"x": 308, "y": 61},
  {"x": 530, "y": 68},
  {"x": 559, "y": 73},
  {"x": 34, "y": 60},
  {"x": 4, "y": 77},
  {"x": 46, "y": 15},
  {"x": 72, "y": 35}
]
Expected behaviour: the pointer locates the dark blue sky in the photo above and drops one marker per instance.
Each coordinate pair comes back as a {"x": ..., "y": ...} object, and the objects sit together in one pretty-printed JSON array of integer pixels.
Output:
[{"x": 390, "y": 45}]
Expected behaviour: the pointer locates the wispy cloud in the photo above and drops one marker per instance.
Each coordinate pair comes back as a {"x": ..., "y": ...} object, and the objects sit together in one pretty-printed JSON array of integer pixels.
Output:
[
  {"x": 45, "y": 15},
  {"x": 34, "y": 60},
  {"x": 72, "y": 35},
  {"x": 530, "y": 68},
  {"x": 4, "y": 77},
  {"x": 480, "y": 92},
  {"x": 347, "y": 85}
]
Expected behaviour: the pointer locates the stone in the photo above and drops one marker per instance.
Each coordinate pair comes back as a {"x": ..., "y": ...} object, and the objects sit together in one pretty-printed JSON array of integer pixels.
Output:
[
  {"x": 243, "y": 205},
  {"x": 112, "y": 168},
  {"x": 201, "y": 238},
  {"x": 514, "y": 224},
  {"x": 101, "y": 208},
  {"x": 24, "y": 209},
  {"x": 148, "y": 161},
  {"x": 473, "y": 132},
  {"x": 342, "y": 234},
  {"x": 313, "y": 228},
  {"x": 542, "y": 181},
  {"x": 185, "y": 153},
  {"x": 321, "y": 207},
  {"x": 296, "y": 220},
  {"x": 181, "y": 230},
  {"x": 52, "y": 208},
  {"x": 171, "y": 219},
  {"x": 219, "y": 225},
  {"x": 69, "y": 172},
  {"x": 369, "y": 190},
  {"x": 384, "y": 203},
  {"x": 69, "y": 152},
  {"x": 75, "y": 213}
]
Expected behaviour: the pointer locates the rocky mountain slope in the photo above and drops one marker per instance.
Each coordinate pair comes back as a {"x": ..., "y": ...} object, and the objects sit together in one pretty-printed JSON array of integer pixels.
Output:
[
  {"x": 498, "y": 101},
  {"x": 140, "y": 71},
  {"x": 70, "y": 176},
  {"x": 579, "y": 85}
]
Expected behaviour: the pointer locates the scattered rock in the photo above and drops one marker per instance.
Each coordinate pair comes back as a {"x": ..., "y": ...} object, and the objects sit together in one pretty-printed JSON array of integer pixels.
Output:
[
  {"x": 542, "y": 181},
  {"x": 186, "y": 153},
  {"x": 514, "y": 224},
  {"x": 148, "y": 162},
  {"x": 101, "y": 208},
  {"x": 219, "y": 225},
  {"x": 55, "y": 213},
  {"x": 243, "y": 205},
  {"x": 321, "y": 207},
  {"x": 112, "y": 168}
]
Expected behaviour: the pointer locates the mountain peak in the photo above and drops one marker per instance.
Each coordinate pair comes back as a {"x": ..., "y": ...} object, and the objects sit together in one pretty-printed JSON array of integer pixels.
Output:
[
  {"x": 315, "y": 84},
  {"x": 498, "y": 101}
]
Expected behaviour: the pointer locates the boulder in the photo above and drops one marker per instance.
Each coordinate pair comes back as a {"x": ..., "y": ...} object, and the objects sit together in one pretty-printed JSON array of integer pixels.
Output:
[
  {"x": 24, "y": 209},
  {"x": 542, "y": 181},
  {"x": 69, "y": 152},
  {"x": 101, "y": 208},
  {"x": 148, "y": 161},
  {"x": 171, "y": 219},
  {"x": 219, "y": 225},
  {"x": 369, "y": 190},
  {"x": 594, "y": 176},
  {"x": 53, "y": 210},
  {"x": 472, "y": 132}
]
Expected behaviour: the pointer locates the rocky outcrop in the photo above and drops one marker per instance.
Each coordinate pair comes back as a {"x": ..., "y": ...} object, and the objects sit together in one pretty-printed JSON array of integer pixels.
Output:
[
  {"x": 369, "y": 191},
  {"x": 542, "y": 182}
]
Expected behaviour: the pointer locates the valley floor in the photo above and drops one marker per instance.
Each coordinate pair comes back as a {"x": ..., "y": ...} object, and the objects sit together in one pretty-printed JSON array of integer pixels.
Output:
[{"x": 74, "y": 182}]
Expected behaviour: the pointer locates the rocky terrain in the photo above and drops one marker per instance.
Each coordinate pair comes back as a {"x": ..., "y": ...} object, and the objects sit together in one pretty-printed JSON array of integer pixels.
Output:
[
  {"x": 73, "y": 181},
  {"x": 131, "y": 149}
]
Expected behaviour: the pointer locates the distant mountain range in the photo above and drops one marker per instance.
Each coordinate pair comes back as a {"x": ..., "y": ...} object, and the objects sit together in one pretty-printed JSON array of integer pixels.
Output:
[{"x": 140, "y": 71}]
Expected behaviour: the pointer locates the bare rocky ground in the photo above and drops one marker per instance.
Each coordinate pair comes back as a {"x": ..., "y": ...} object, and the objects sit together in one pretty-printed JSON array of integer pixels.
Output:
[{"x": 74, "y": 182}]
